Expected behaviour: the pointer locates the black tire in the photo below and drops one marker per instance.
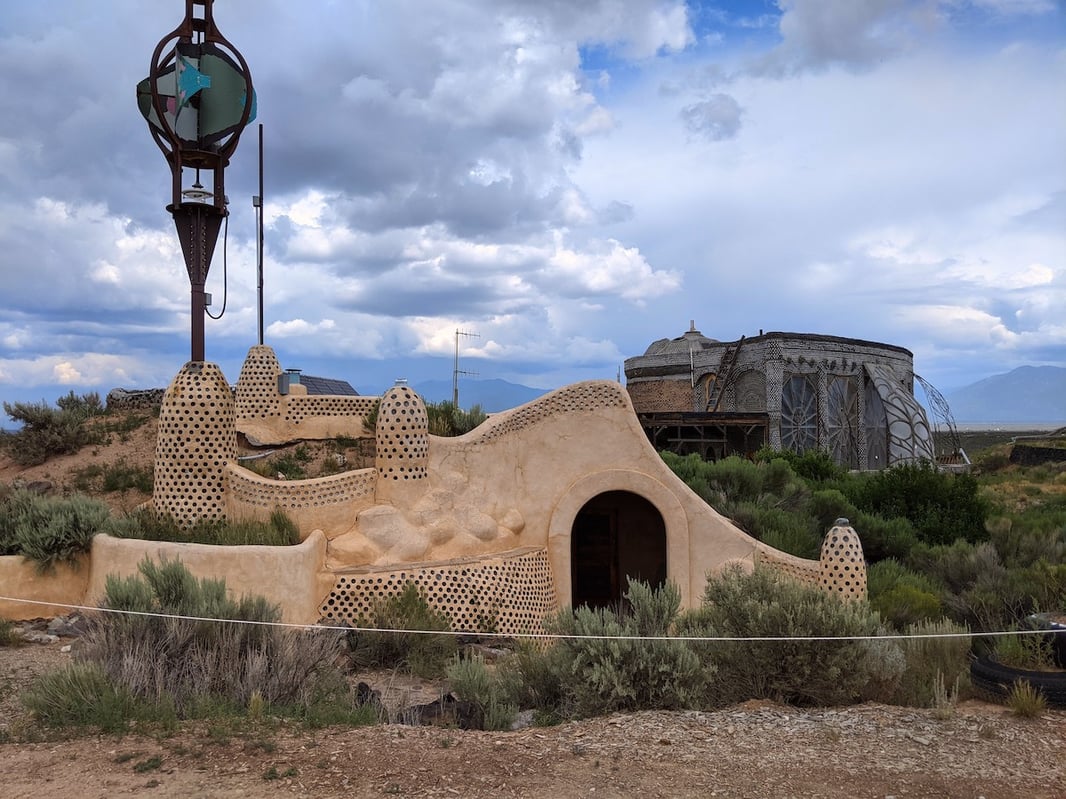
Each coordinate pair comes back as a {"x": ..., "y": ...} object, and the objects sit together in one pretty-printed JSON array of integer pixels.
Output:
[{"x": 992, "y": 677}]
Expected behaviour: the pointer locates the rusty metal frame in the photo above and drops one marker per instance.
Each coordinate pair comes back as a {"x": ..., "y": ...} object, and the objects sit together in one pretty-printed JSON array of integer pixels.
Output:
[{"x": 197, "y": 223}]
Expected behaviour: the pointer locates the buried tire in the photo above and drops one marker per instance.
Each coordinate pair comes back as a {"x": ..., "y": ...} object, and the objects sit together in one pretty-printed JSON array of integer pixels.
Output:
[{"x": 992, "y": 677}]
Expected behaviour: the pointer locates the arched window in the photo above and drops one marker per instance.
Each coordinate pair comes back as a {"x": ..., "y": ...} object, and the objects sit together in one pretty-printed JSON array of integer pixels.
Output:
[
  {"x": 799, "y": 413},
  {"x": 842, "y": 426},
  {"x": 876, "y": 429}
]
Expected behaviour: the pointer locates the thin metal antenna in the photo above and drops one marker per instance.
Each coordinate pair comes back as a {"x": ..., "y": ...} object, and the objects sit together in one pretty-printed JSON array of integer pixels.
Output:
[
  {"x": 456, "y": 371},
  {"x": 257, "y": 203}
]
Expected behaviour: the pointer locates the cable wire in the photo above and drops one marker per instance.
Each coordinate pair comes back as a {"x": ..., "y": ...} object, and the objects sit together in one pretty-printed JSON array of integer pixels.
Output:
[
  {"x": 225, "y": 270},
  {"x": 532, "y": 636}
]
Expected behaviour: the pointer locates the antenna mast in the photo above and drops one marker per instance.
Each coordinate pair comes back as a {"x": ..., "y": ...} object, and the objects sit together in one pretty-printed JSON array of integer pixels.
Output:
[
  {"x": 456, "y": 371},
  {"x": 257, "y": 203}
]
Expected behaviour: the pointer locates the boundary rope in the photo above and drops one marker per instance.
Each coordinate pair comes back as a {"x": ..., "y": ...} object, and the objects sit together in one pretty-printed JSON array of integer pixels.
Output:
[{"x": 535, "y": 636}]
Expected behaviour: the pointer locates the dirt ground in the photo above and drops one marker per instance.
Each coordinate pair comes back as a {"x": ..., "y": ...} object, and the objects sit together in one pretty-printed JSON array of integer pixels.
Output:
[{"x": 751, "y": 750}]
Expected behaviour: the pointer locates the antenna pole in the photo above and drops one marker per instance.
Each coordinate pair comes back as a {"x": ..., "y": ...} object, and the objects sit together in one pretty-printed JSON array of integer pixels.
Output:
[
  {"x": 258, "y": 203},
  {"x": 455, "y": 370}
]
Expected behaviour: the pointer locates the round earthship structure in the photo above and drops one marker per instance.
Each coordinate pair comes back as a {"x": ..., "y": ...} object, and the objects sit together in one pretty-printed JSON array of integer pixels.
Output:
[{"x": 790, "y": 391}]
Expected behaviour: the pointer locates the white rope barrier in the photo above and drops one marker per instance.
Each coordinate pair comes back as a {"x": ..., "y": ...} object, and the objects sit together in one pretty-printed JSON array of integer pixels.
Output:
[{"x": 548, "y": 636}]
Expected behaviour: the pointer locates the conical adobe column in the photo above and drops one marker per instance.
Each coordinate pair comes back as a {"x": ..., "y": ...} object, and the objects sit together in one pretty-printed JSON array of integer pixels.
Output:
[{"x": 197, "y": 439}]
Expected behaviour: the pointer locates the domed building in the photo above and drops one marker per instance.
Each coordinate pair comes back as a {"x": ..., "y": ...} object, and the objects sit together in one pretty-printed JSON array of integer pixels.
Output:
[{"x": 791, "y": 391}]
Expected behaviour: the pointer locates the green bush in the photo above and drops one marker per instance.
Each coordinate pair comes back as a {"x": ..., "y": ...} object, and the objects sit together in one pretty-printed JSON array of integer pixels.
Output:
[
  {"x": 942, "y": 507},
  {"x": 764, "y": 604},
  {"x": 607, "y": 674},
  {"x": 815, "y": 465},
  {"x": 884, "y": 538},
  {"x": 1029, "y": 652},
  {"x": 901, "y": 596},
  {"x": 447, "y": 420},
  {"x": 929, "y": 658},
  {"x": 482, "y": 693},
  {"x": 50, "y": 530},
  {"x": 984, "y": 594},
  {"x": 113, "y": 478},
  {"x": 48, "y": 431},
  {"x": 280, "y": 530},
  {"x": 80, "y": 694},
  {"x": 420, "y": 654},
  {"x": 196, "y": 663},
  {"x": 1036, "y": 533},
  {"x": 784, "y": 530},
  {"x": 8, "y": 636}
]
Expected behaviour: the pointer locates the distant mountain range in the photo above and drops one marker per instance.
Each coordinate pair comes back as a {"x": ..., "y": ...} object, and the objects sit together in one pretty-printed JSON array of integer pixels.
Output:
[
  {"x": 492, "y": 395},
  {"x": 1026, "y": 394}
]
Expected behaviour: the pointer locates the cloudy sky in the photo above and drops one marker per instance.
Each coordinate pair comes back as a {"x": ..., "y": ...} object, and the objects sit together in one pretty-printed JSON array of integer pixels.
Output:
[{"x": 568, "y": 180}]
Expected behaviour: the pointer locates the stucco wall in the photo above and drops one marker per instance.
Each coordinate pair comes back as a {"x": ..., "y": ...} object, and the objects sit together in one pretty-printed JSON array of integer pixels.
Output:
[
  {"x": 291, "y": 577},
  {"x": 19, "y": 578}
]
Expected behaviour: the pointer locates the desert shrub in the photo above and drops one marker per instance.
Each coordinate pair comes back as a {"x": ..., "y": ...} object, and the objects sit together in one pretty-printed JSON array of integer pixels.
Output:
[
  {"x": 1035, "y": 533},
  {"x": 8, "y": 636},
  {"x": 926, "y": 659},
  {"x": 815, "y": 464},
  {"x": 114, "y": 477},
  {"x": 484, "y": 695},
  {"x": 1030, "y": 652},
  {"x": 902, "y": 596},
  {"x": 884, "y": 538},
  {"x": 612, "y": 673},
  {"x": 762, "y": 603},
  {"x": 533, "y": 677},
  {"x": 784, "y": 530},
  {"x": 731, "y": 479},
  {"x": 1026, "y": 701},
  {"x": 983, "y": 593},
  {"x": 829, "y": 504},
  {"x": 445, "y": 419},
  {"x": 196, "y": 662},
  {"x": 991, "y": 461},
  {"x": 50, "y": 530},
  {"x": 79, "y": 694},
  {"x": 735, "y": 479},
  {"x": 420, "y": 654},
  {"x": 942, "y": 507},
  {"x": 279, "y": 530},
  {"x": 48, "y": 431}
]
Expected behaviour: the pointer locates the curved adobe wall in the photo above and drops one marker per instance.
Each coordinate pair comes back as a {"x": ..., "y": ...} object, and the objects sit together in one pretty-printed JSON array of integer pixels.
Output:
[{"x": 326, "y": 503}]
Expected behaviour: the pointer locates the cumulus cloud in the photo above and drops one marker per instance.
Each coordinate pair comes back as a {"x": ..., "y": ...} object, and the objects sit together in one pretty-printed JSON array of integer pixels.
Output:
[
  {"x": 853, "y": 33},
  {"x": 716, "y": 118},
  {"x": 571, "y": 180}
]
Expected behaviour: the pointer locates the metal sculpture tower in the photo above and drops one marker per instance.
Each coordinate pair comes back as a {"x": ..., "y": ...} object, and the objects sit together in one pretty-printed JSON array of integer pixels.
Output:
[{"x": 197, "y": 98}]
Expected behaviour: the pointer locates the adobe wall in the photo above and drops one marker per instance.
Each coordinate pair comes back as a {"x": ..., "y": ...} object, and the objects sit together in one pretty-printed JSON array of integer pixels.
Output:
[
  {"x": 291, "y": 577},
  {"x": 19, "y": 578}
]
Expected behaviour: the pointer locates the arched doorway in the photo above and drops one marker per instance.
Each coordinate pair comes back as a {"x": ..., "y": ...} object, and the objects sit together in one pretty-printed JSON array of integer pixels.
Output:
[{"x": 616, "y": 535}]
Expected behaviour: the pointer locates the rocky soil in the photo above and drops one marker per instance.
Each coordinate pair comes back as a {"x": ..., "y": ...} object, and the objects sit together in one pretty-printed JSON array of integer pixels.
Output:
[{"x": 751, "y": 750}]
